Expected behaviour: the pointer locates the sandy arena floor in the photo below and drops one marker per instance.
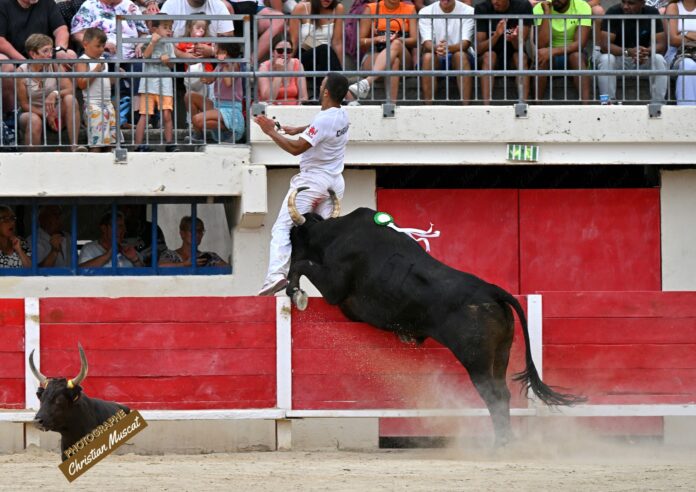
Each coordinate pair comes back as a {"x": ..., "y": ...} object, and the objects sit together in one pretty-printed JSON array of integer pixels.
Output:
[{"x": 594, "y": 468}]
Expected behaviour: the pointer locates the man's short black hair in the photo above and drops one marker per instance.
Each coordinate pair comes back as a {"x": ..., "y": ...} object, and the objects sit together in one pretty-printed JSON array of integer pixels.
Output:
[{"x": 337, "y": 85}]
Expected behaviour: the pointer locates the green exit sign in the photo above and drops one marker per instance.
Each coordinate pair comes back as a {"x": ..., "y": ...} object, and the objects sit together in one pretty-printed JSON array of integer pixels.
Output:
[{"x": 521, "y": 152}]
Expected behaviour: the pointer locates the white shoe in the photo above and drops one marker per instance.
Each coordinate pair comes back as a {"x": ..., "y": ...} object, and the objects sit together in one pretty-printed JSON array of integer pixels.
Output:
[
  {"x": 271, "y": 287},
  {"x": 360, "y": 89}
]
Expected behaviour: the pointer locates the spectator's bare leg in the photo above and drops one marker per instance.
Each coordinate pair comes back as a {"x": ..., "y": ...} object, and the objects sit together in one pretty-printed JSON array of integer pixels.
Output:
[
  {"x": 208, "y": 120},
  {"x": 525, "y": 80},
  {"x": 582, "y": 84},
  {"x": 400, "y": 59},
  {"x": 488, "y": 62},
  {"x": 541, "y": 81},
  {"x": 69, "y": 116},
  {"x": 31, "y": 126},
  {"x": 460, "y": 61},
  {"x": 267, "y": 30},
  {"x": 140, "y": 129},
  {"x": 8, "y": 87},
  {"x": 597, "y": 23},
  {"x": 428, "y": 84},
  {"x": 166, "y": 115}
]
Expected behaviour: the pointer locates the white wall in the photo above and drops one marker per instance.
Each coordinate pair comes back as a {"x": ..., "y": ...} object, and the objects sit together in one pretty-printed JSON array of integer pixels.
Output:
[{"x": 678, "y": 212}]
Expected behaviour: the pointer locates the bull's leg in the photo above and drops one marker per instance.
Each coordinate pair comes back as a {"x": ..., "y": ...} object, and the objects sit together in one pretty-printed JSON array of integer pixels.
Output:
[
  {"x": 330, "y": 282},
  {"x": 496, "y": 396}
]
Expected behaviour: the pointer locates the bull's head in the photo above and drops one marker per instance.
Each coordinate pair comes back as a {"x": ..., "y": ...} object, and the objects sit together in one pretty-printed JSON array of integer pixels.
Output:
[
  {"x": 57, "y": 395},
  {"x": 297, "y": 218}
]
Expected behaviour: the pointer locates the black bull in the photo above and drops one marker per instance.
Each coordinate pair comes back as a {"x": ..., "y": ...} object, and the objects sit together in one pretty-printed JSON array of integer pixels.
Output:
[
  {"x": 66, "y": 409},
  {"x": 383, "y": 277}
]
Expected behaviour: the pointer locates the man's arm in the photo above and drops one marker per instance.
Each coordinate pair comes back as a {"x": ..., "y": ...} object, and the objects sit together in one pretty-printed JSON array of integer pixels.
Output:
[
  {"x": 294, "y": 147},
  {"x": 6, "y": 48},
  {"x": 62, "y": 37}
]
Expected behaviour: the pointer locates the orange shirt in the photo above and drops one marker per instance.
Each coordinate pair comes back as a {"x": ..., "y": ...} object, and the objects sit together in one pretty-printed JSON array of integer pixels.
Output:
[{"x": 396, "y": 23}]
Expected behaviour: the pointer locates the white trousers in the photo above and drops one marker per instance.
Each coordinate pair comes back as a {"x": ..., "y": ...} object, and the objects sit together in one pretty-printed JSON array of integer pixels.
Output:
[
  {"x": 686, "y": 84},
  {"x": 607, "y": 83},
  {"x": 316, "y": 199}
]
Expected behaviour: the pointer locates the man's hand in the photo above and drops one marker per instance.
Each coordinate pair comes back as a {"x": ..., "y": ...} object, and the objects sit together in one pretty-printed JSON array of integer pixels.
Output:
[
  {"x": 293, "y": 130},
  {"x": 441, "y": 48},
  {"x": 56, "y": 242},
  {"x": 543, "y": 56},
  {"x": 267, "y": 125},
  {"x": 500, "y": 28},
  {"x": 110, "y": 47}
]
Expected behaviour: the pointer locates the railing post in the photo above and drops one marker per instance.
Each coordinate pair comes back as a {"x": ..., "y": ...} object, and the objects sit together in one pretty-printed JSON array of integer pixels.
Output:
[{"x": 120, "y": 154}]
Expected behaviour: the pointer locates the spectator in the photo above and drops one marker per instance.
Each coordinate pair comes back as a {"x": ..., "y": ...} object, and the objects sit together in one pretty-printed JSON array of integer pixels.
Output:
[
  {"x": 373, "y": 43},
  {"x": 288, "y": 90},
  {"x": 227, "y": 117},
  {"x": 181, "y": 257},
  {"x": 52, "y": 243},
  {"x": 99, "y": 113},
  {"x": 97, "y": 253},
  {"x": 102, "y": 14},
  {"x": 498, "y": 41},
  {"x": 560, "y": 42},
  {"x": 195, "y": 28},
  {"x": 320, "y": 40},
  {"x": 268, "y": 28},
  {"x": 19, "y": 19},
  {"x": 157, "y": 92},
  {"x": 139, "y": 232},
  {"x": 208, "y": 7},
  {"x": 446, "y": 44},
  {"x": 45, "y": 99},
  {"x": 14, "y": 251},
  {"x": 623, "y": 50},
  {"x": 682, "y": 51}
]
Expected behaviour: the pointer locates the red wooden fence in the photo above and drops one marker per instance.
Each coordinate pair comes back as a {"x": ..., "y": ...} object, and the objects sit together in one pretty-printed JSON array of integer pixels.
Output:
[{"x": 12, "y": 353}]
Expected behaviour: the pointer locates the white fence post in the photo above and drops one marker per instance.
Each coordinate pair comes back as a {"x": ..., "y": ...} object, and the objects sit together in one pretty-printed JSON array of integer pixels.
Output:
[
  {"x": 32, "y": 337},
  {"x": 283, "y": 370}
]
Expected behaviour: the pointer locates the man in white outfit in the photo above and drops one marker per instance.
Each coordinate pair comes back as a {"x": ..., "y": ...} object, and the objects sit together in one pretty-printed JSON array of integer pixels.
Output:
[{"x": 322, "y": 145}]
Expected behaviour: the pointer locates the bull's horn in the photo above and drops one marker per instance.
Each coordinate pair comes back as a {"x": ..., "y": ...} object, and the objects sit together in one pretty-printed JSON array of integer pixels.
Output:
[
  {"x": 83, "y": 369},
  {"x": 43, "y": 380},
  {"x": 336, "y": 204},
  {"x": 296, "y": 216}
]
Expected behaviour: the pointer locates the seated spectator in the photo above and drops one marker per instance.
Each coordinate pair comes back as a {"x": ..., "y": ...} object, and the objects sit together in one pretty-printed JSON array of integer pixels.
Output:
[
  {"x": 373, "y": 43},
  {"x": 99, "y": 114},
  {"x": 320, "y": 41},
  {"x": 102, "y": 14},
  {"x": 682, "y": 51},
  {"x": 44, "y": 99},
  {"x": 52, "y": 243},
  {"x": 288, "y": 90},
  {"x": 195, "y": 28},
  {"x": 19, "y": 19},
  {"x": 139, "y": 232},
  {"x": 98, "y": 252},
  {"x": 446, "y": 44},
  {"x": 498, "y": 41},
  {"x": 267, "y": 27},
  {"x": 181, "y": 257},
  {"x": 623, "y": 50},
  {"x": 14, "y": 251},
  {"x": 560, "y": 42},
  {"x": 224, "y": 113}
]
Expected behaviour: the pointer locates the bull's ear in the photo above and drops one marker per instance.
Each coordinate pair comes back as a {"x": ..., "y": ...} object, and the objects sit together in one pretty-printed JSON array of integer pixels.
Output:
[
  {"x": 39, "y": 392},
  {"x": 75, "y": 392}
]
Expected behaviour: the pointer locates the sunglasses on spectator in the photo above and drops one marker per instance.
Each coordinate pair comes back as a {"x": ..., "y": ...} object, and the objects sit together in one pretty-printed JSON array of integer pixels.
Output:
[
  {"x": 282, "y": 50},
  {"x": 8, "y": 218}
]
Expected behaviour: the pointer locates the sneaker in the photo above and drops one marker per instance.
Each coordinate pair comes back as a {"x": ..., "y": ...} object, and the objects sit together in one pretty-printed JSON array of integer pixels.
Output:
[
  {"x": 171, "y": 148},
  {"x": 143, "y": 148},
  {"x": 195, "y": 138},
  {"x": 360, "y": 89},
  {"x": 270, "y": 288}
]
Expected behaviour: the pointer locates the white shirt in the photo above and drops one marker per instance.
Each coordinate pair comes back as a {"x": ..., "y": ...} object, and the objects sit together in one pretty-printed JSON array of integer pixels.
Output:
[
  {"x": 451, "y": 30},
  {"x": 328, "y": 136},
  {"x": 43, "y": 248},
  {"x": 99, "y": 89},
  {"x": 211, "y": 7},
  {"x": 93, "y": 249}
]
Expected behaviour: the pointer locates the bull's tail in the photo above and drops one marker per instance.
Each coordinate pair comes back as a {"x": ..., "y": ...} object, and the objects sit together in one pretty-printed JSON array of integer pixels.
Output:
[{"x": 530, "y": 377}]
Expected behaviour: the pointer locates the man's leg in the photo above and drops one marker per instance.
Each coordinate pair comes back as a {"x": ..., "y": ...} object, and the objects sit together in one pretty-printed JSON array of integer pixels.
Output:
[
  {"x": 460, "y": 61},
  {"x": 659, "y": 83},
  {"x": 607, "y": 83},
  {"x": 428, "y": 84},
  {"x": 280, "y": 247},
  {"x": 488, "y": 62}
]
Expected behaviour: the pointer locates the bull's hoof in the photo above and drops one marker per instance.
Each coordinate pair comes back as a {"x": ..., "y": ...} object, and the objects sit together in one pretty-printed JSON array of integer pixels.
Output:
[{"x": 300, "y": 299}]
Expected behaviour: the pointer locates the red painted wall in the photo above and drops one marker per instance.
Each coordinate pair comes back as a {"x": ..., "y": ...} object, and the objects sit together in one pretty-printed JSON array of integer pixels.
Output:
[
  {"x": 621, "y": 348},
  {"x": 166, "y": 353},
  {"x": 11, "y": 353},
  {"x": 347, "y": 365}
]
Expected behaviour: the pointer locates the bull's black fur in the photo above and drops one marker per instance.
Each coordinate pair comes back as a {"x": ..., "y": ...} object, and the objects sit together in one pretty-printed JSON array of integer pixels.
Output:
[
  {"x": 70, "y": 412},
  {"x": 382, "y": 277}
]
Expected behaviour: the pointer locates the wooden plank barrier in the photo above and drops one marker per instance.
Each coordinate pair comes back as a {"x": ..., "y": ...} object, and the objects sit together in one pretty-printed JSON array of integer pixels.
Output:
[{"x": 12, "y": 353}]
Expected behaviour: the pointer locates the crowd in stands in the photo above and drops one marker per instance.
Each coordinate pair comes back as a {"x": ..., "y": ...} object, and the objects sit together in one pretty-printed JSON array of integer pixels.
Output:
[
  {"x": 132, "y": 239},
  {"x": 46, "y": 38}
]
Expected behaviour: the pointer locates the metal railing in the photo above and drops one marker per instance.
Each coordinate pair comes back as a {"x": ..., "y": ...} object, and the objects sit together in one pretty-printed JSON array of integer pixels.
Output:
[{"x": 467, "y": 75}]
